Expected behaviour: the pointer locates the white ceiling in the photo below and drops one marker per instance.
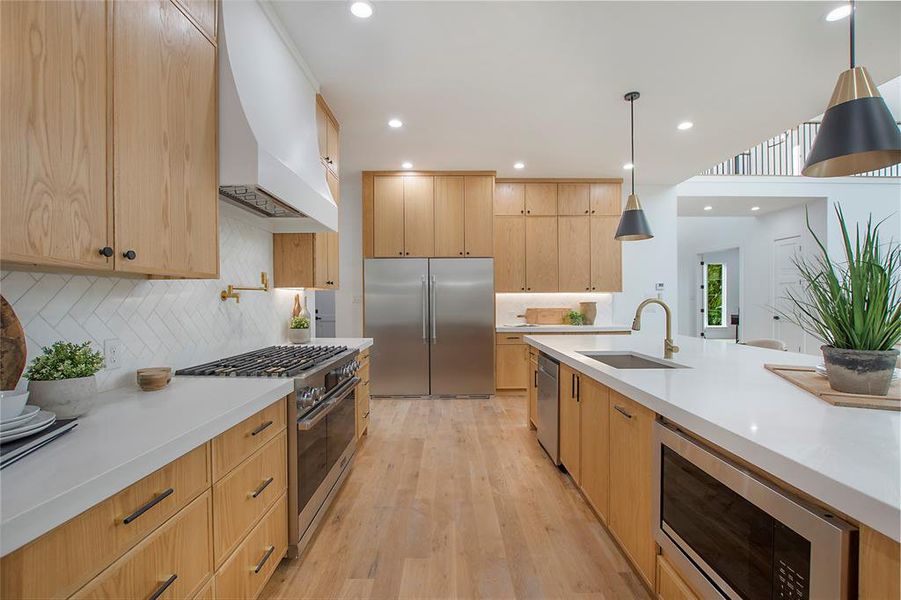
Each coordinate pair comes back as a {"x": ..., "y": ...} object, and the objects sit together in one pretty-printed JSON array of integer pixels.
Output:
[
  {"x": 735, "y": 206},
  {"x": 481, "y": 85}
]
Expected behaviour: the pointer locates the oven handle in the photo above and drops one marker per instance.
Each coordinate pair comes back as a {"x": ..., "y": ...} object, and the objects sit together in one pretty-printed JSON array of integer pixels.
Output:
[{"x": 342, "y": 392}]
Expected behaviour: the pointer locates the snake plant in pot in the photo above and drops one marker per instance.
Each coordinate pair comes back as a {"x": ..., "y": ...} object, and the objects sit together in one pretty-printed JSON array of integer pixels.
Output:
[{"x": 854, "y": 307}]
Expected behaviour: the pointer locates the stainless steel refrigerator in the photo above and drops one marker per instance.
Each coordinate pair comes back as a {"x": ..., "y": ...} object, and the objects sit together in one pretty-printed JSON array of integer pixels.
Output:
[{"x": 433, "y": 324}]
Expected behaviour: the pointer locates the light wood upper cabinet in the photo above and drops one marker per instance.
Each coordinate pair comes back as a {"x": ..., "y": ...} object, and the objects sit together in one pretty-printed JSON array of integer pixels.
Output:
[
  {"x": 332, "y": 180},
  {"x": 572, "y": 199},
  {"x": 574, "y": 244},
  {"x": 164, "y": 150},
  {"x": 594, "y": 439},
  {"x": 449, "y": 216},
  {"x": 204, "y": 14},
  {"x": 327, "y": 135},
  {"x": 570, "y": 418},
  {"x": 55, "y": 210},
  {"x": 541, "y": 254},
  {"x": 509, "y": 254},
  {"x": 305, "y": 260},
  {"x": 509, "y": 199},
  {"x": 606, "y": 199},
  {"x": 419, "y": 216},
  {"x": 541, "y": 199},
  {"x": 631, "y": 479},
  {"x": 388, "y": 216},
  {"x": 606, "y": 255},
  {"x": 322, "y": 129},
  {"x": 478, "y": 194}
]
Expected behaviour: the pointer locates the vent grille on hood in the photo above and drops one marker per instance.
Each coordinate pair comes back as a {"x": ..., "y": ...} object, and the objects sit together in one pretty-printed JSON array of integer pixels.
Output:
[{"x": 258, "y": 200}]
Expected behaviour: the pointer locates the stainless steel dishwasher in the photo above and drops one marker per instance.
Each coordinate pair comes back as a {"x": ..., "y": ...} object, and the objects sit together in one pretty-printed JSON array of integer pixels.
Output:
[{"x": 549, "y": 406}]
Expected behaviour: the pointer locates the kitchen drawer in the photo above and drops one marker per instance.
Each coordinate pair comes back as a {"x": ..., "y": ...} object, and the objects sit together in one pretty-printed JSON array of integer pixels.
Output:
[
  {"x": 245, "y": 438},
  {"x": 208, "y": 592},
  {"x": 241, "y": 497},
  {"x": 363, "y": 374},
  {"x": 509, "y": 338},
  {"x": 177, "y": 556},
  {"x": 670, "y": 586},
  {"x": 362, "y": 418},
  {"x": 363, "y": 357},
  {"x": 247, "y": 570},
  {"x": 100, "y": 535}
]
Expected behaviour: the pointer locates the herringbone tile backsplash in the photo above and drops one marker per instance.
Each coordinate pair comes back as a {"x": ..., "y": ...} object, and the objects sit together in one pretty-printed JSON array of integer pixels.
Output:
[{"x": 160, "y": 323}]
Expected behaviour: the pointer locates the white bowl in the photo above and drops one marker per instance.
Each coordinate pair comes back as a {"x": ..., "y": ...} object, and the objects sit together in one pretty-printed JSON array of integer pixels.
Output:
[{"x": 12, "y": 403}]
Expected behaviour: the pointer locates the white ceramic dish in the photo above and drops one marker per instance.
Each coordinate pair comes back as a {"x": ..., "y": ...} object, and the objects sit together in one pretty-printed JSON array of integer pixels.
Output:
[
  {"x": 27, "y": 415},
  {"x": 42, "y": 420},
  {"x": 12, "y": 403}
]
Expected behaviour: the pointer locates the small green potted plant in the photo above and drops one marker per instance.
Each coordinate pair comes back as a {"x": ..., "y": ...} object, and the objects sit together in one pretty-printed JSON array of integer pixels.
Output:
[
  {"x": 575, "y": 318},
  {"x": 299, "y": 330},
  {"x": 854, "y": 307},
  {"x": 61, "y": 379}
]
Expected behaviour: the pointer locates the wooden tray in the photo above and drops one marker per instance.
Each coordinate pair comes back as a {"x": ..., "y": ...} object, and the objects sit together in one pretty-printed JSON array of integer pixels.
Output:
[
  {"x": 807, "y": 379},
  {"x": 546, "y": 316}
]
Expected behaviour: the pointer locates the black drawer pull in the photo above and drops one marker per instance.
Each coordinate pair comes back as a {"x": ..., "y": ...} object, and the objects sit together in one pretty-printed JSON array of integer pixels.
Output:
[
  {"x": 263, "y": 560},
  {"x": 262, "y": 487},
  {"x": 129, "y": 254},
  {"x": 153, "y": 502},
  {"x": 106, "y": 251},
  {"x": 622, "y": 410},
  {"x": 261, "y": 428},
  {"x": 366, "y": 416},
  {"x": 163, "y": 587}
]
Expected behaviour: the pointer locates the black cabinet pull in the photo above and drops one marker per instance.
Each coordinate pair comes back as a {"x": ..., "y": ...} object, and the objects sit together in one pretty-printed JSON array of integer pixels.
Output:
[
  {"x": 153, "y": 502},
  {"x": 467, "y": 254},
  {"x": 408, "y": 254},
  {"x": 106, "y": 251},
  {"x": 163, "y": 587},
  {"x": 263, "y": 560},
  {"x": 622, "y": 411},
  {"x": 129, "y": 254},
  {"x": 261, "y": 428},
  {"x": 401, "y": 253},
  {"x": 578, "y": 389},
  {"x": 262, "y": 487},
  {"x": 461, "y": 254},
  {"x": 535, "y": 373},
  {"x": 572, "y": 385}
]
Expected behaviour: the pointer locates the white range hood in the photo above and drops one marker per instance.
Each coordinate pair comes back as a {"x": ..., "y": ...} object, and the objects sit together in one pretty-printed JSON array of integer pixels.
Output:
[{"x": 268, "y": 146}]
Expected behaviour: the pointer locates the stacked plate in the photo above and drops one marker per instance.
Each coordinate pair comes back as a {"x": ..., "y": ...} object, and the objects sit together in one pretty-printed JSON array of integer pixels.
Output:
[{"x": 31, "y": 421}]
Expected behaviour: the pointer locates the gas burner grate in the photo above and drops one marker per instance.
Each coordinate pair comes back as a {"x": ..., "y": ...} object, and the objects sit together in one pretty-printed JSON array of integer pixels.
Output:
[{"x": 274, "y": 361}]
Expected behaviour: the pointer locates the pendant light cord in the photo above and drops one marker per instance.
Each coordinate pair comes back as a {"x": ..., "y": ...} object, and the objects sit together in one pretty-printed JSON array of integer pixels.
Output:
[
  {"x": 632, "y": 118},
  {"x": 853, "y": 10}
]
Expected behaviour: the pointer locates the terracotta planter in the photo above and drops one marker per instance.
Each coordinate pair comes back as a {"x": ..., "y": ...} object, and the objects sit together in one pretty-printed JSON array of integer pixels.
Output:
[
  {"x": 859, "y": 371},
  {"x": 299, "y": 336},
  {"x": 66, "y": 398}
]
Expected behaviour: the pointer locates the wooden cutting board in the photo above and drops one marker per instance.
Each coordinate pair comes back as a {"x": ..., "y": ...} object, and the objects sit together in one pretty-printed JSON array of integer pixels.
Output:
[
  {"x": 546, "y": 316},
  {"x": 12, "y": 347},
  {"x": 807, "y": 379}
]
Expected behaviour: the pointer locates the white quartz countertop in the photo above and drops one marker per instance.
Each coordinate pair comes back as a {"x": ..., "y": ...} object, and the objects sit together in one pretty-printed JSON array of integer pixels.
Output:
[
  {"x": 848, "y": 458},
  {"x": 126, "y": 436},
  {"x": 514, "y": 328}
]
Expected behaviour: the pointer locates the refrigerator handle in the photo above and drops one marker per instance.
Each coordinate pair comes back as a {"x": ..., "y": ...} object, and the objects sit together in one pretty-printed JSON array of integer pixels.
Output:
[
  {"x": 432, "y": 285},
  {"x": 425, "y": 308}
]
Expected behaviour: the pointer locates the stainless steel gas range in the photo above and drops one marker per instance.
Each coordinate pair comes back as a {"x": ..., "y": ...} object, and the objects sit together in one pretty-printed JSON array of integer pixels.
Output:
[{"x": 322, "y": 441}]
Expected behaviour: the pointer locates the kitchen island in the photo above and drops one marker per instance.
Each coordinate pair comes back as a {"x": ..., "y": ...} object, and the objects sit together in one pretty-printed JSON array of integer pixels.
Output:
[{"x": 846, "y": 459}]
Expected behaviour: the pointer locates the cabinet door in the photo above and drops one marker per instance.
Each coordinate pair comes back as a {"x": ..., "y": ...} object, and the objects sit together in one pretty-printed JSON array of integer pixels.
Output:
[
  {"x": 541, "y": 254},
  {"x": 670, "y": 586},
  {"x": 320, "y": 260},
  {"x": 541, "y": 199},
  {"x": 570, "y": 417},
  {"x": 331, "y": 132},
  {"x": 572, "y": 199},
  {"x": 332, "y": 180},
  {"x": 630, "y": 480},
  {"x": 322, "y": 131},
  {"x": 509, "y": 254},
  {"x": 419, "y": 216},
  {"x": 388, "y": 216},
  {"x": 292, "y": 260},
  {"x": 512, "y": 368},
  {"x": 449, "y": 216},
  {"x": 606, "y": 198},
  {"x": 333, "y": 256},
  {"x": 594, "y": 438},
  {"x": 478, "y": 221},
  {"x": 54, "y": 209},
  {"x": 509, "y": 199},
  {"x": 204, "y": 12},
  {"x": 606, "y": 255},
  {"x": 533, "y": 392},
  {"x": 574, "y": 243},
  {"x": 164, "y": 151}
]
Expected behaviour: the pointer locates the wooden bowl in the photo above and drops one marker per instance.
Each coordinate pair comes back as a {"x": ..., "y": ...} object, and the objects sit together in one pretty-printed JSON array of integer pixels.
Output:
[{"x": 154, "y": 378}]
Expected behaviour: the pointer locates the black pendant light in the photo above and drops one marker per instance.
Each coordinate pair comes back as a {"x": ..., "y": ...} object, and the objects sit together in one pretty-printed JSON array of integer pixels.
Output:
[
  {"x": 858, "y": 133},
  {"x": 633, "y": 225}
]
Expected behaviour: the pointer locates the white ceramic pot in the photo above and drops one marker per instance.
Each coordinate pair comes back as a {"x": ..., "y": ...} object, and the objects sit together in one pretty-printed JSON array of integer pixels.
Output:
[
  {"x": 66, "y": 398},
  {"x": 299, "y": 336}
]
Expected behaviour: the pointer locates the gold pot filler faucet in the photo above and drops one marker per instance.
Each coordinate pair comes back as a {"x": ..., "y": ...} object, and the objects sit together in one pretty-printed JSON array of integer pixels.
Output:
[
  {"x": 232, "y": 291},
  {"x": 668, "y": 346}
]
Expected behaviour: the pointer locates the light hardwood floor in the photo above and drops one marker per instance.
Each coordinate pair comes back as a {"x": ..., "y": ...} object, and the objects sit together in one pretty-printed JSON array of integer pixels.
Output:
[{"x": 455, "y": 499}]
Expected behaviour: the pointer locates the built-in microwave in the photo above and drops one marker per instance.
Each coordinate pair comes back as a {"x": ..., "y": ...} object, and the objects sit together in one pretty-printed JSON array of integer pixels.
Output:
[{"x": 732, "y": 534}]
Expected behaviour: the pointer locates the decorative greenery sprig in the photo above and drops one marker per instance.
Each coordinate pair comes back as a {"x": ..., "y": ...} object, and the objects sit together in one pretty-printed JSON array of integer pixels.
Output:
[
  {"x": 300, "y": 323},
  {"x": 63, "y": 360},
  {"x": 855, "y": 305},
  {"x": 575, "y": 317}
]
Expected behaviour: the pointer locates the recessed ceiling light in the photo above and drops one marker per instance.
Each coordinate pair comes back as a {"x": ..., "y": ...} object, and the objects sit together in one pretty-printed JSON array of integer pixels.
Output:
[
  {"x": 395, "y": 123},
  {"x": 708, "y": 208},
  {"x": 628, "y": 166},
  {"x": 755, "y": 208},
  {"x": 685, "y": 125},
  {"x": 407, "y": 165},
  {"x": 361, "y": 8},
  {"x": 519, "y": 165},
  {"x": 837, "y": 14}
]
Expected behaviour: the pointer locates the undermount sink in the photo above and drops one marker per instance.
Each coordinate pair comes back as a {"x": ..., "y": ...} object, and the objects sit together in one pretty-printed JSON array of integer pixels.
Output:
[{"x": 630, "y": 360}]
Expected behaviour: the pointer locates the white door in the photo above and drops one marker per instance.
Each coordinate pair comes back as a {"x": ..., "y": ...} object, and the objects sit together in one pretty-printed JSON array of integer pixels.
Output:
[{"x": 786, "y": 278}]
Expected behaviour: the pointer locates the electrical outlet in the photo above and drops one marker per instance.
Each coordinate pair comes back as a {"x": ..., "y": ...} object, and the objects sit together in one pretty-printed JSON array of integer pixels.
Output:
[{"x": 112, "y": 353}]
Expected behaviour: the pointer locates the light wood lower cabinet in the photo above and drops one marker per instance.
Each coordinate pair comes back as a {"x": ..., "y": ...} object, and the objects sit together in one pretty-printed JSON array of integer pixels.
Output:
[
  {"x": 533, "y": 388},
  {"x": 570, "y": 419},
  {"x": 880, "y": 566},
  {"x": 594, "y": 440},
  {"x": 512, "y": 366},
  {"x": 670, "y": 586},
  {"x": 233, "y": 446},
  {"x": 362, "y": 395}
]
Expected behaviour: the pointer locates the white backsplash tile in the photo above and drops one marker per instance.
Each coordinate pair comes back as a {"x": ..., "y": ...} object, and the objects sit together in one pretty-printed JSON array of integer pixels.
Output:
[
  {"x": 509, "y": 306},
  {"x": 159, "y": 323}
]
